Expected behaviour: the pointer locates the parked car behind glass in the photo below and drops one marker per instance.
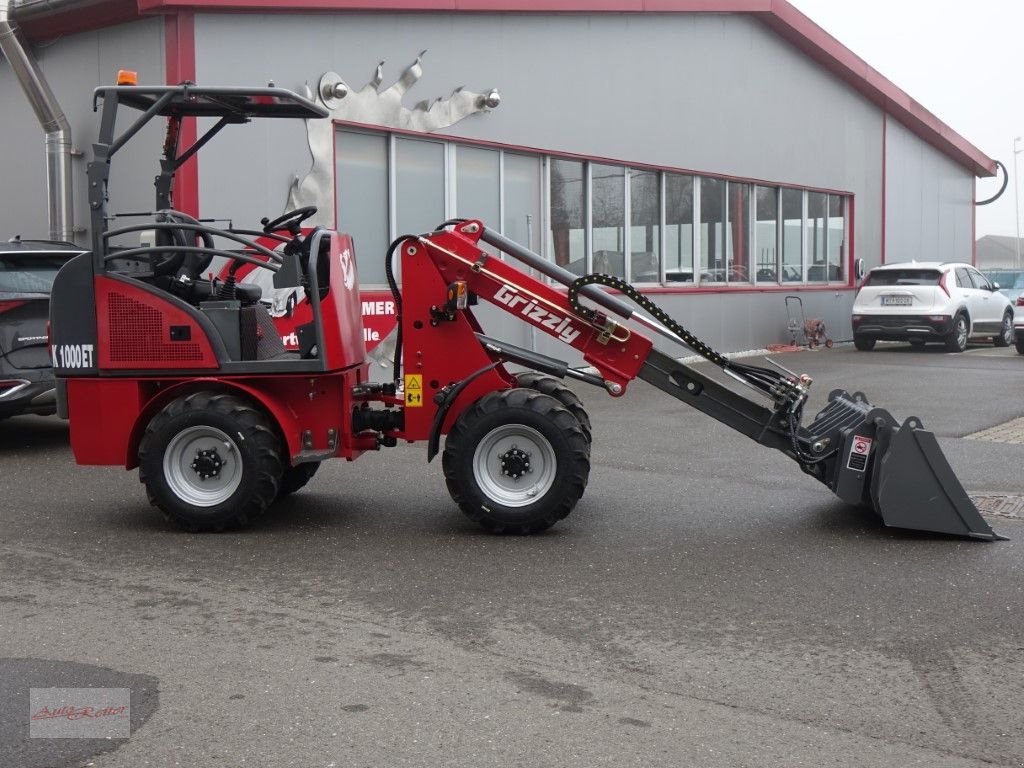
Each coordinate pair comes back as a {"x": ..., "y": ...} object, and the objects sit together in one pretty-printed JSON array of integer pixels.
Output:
[
  {"x": 27, "y": 270},
  {"x": 1010, "y": 281},
  {"x": 923, "y": 302}
]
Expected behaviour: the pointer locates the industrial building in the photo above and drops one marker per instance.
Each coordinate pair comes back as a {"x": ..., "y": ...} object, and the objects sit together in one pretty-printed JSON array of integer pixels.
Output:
[{"x": 718, "y": 160}]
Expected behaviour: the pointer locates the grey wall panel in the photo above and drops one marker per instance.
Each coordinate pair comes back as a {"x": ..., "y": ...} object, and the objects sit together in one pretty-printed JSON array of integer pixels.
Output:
[
  {"x": 74, "y": 66},
  {"x": 929, "y": 202},
  {"x": 714, "y": 93}
]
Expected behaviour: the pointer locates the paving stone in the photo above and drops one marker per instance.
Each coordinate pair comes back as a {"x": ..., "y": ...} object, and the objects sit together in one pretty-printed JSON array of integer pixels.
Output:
[
  {"x": 999, "y": 504},
  {"x": 1010, "y": 432}
]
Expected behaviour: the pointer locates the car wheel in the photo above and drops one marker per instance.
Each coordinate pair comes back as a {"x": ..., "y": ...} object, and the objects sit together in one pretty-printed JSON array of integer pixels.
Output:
[
  {"x": 863, "y": 343},
  {"x": 956, "y": 341},
  {"x": 1019, "y": 343},
  {"x": 1005, "y": 336},
  {"x": 516, "y": 461},
  {"x": 210, "y": 461}
]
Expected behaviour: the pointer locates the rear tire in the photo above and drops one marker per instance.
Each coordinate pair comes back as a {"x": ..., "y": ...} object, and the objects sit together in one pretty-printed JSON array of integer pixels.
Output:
[
  {"x": 1019, "y": 343},
  {"x": 956, "y": 341},
  {"x": 863, "y": 343},
  {"x": 296, "y": 477},
  {"x": 516, "y": 461},
  {"x": 1005, "y": 337},
  {"x": 210, "y": 461},
  {"x": 552, "y": 386}
]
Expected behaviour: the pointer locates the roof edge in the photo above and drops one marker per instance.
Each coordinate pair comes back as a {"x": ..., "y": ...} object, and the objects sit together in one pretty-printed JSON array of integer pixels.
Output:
[{"x": 778, "y": 15}]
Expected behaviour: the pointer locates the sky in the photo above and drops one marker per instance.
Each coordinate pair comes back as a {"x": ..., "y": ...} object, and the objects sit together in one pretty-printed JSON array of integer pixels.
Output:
[{"x": 957, "y": 59}]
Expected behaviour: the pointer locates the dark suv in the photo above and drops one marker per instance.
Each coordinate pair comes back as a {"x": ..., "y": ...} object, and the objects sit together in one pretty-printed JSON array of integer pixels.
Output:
[{"x": 27, "y": 269}]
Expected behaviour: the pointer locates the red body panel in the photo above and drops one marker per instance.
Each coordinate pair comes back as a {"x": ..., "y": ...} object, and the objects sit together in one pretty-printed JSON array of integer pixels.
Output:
[
  {"x": 133, "y": 331},
  {"x": 109, "y": 416},
  {"x": 103, "y": 413},
  {"x": 446, "y": 351},
  {"x": 342, "y": 311}
]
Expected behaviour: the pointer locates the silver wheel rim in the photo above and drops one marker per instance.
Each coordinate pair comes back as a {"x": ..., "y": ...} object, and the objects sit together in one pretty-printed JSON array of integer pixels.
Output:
[
  {"x": 202, "y": 466},
  {"x": 961, "y": 333},
  {"x": 1007, "y": 329},
  {"x": 514, "y": 465}
]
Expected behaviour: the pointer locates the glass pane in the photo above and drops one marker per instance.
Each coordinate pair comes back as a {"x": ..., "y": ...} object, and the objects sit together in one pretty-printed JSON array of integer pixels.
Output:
[
  {"x": 476, "y": 185},
  {"x": 645, "y": 226},
  {"x": 766, "y": 232},
  {"x": 836, "y": 237},
  {"x": 678, "y": 228},
  {"x": 568, "y": 203},
  {"x": 712, "y": 230},
  {"x": 362, "y": 199},
  {"x": 608, "y": 186},
  {"x": 817, "y": 262},
  {"x": 737, "y": 262},
  {"x": 21, "y": 273},
  {"x": 522, "y": 200},
  {"x": 792, "y": 241},
  {"x": 419, "y": 173}
]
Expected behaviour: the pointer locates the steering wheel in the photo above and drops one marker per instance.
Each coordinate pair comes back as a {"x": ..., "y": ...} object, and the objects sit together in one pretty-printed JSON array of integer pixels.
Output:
[{"x": 289, "y": 221}]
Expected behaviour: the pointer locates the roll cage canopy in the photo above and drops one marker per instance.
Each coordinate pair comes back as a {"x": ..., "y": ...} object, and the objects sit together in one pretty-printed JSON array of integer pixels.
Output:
[
  {"x": 190, "y": 100},
  {"x": 175, "y": 102}
]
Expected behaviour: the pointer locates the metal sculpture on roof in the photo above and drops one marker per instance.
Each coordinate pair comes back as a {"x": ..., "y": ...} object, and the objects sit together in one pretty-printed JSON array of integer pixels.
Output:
[{"x": 376, "y": 107}]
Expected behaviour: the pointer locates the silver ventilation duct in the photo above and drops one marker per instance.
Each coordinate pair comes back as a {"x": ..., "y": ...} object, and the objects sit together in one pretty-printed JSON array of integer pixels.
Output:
[{"x": 55, "y": 126}]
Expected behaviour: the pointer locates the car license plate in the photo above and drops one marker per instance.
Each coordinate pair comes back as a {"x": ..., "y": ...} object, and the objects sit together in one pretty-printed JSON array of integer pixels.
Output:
[{"x": 896, "y": 301}]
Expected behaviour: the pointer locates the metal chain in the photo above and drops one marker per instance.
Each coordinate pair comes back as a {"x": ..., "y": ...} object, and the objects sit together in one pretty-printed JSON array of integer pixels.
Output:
[{"x": 642, "y": 301}]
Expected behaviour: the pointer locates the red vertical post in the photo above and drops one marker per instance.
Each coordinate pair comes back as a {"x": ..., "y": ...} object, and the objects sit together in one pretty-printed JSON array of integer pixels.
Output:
[{"x": 180, "y": 57}]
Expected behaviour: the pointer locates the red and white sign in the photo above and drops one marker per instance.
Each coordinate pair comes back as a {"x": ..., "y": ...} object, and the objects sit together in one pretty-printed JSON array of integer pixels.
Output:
[{"x": 862, "y": 445}]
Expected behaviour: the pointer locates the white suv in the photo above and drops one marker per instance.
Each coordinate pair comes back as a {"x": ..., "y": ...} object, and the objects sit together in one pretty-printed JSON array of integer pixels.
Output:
[{"x": 925, "y": 301}]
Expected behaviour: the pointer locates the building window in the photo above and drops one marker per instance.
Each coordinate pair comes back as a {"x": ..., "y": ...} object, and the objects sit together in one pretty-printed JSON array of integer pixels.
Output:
[
  {"x": 568, "y": 245},
  {"x": 766, "y": 235},
  {"x": 587, "y": 216},
  {"x": 678, "y": 228},
  {"x": 644, "y": 226},
  {"x": 737, "y": 250},
  {"x": 477, "y": 184},
  {"x": 835, "y": 238},
  {"x": 521, "y": 183},
  {"x": 792, "y": 235},
  {"x": 420, "y": 185},
  {"x": 362, "y": 199},
  {"x": 608, "y": 192}
]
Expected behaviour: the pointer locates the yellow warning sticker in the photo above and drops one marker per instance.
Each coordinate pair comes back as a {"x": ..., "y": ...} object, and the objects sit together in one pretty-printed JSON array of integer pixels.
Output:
[{"x": 413, "y": 390}]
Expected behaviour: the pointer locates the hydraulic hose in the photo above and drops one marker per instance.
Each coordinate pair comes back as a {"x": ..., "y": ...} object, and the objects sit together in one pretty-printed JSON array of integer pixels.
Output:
[{"x": 396, "y": 294}]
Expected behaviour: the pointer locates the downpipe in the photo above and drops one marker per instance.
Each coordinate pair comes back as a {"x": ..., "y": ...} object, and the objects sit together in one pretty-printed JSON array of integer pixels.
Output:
[{"x": 53, "y": 121}]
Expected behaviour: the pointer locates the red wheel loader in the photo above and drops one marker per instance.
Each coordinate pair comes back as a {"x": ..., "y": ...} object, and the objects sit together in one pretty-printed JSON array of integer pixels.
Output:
[{"x": 185, "y": 377}]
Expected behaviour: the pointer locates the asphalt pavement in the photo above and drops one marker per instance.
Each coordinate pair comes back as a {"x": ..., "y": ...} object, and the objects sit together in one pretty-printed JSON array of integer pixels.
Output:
[{"x": 706, "y": 604}]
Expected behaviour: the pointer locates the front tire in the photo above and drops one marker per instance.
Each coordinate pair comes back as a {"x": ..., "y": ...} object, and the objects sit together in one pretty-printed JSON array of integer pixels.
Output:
[
  {"x": 863, "y": 343},
  {"x": 956, "y": 341},
  {"x": 549, "y": 385},
  {"x": 296, "y": 477},
  {"x": 1005, "y": 337},
  {"x": 210, "y": 461},
  {"x": 516, "y": 461}
]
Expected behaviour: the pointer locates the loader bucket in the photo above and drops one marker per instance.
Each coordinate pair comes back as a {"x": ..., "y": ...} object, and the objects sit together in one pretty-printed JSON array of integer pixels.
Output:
[
  {"x": 897, "y": 470},
  {"x": 914, "y": 487}
]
